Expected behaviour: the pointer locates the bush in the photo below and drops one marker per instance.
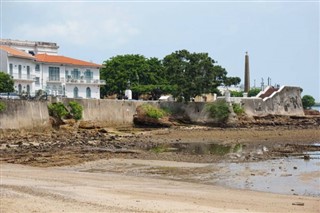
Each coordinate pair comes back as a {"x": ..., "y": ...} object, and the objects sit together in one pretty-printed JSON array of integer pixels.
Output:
[
  {"x": 218, "y": 110},
  {"x": 237, "y": 109},
  {"x": 236, "y": 94},
  {"x": 253, "y": 92},
  {"x": 307, "y": 101},
  {"x": 57, "y": 110},
  {"x": 76, "y": 110},
  {"x": 153, "y": 112},
  {"x": 2, "y": 106}
]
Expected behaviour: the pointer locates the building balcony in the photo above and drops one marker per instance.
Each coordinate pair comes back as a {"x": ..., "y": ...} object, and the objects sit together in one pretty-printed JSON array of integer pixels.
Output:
[
  {"x": 23, "y": 77},
  {"x": 76, "y": 81},
  {"x": 85, "y": 81},
  {"x": 55, "y": 80}
]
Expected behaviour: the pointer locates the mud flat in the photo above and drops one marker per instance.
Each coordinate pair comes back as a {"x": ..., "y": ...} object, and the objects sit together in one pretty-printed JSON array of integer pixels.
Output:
[
  {"x": 31, "y": 189},
  {"x": 185, "y": 169}
]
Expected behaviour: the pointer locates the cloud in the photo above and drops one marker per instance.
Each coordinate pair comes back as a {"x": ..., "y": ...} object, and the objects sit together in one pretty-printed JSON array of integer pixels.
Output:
[{"x": 80, "y": 24}]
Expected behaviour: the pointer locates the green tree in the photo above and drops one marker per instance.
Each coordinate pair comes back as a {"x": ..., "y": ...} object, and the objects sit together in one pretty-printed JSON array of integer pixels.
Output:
[
  {"x": 193, "y": 74},
  {"x": 253, "y": 92},
  {"x": 6, "y": 82},
  {"x": 236, "y": 94},
  {"x": 144, "y": 74},
  {"x": 229, "y": 81},
  {"x": 308, "y": 101}
]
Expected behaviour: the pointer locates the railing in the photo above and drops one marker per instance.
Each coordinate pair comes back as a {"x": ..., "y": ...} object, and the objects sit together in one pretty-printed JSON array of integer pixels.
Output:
[
  {"x": 76, "y": 81},
  {"x": 85, "y": 81},
  {"x": 18, "y": 76},
  {"x": 55, "y": 79}
]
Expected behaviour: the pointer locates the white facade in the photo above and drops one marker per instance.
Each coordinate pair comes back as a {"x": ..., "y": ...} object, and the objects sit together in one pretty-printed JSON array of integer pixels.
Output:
[
  {"x": 68, "y": 80},
  {"x": 32, "y": 47},
  {"x": 22, "y": 71},
  {"x": 64, "y": 77}
]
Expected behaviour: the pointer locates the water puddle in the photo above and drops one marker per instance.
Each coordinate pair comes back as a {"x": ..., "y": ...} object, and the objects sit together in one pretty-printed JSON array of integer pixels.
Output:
[
  {"x": 285, "y": 176},
  {"x": 294, "y": 172},
  {"x": 199, "y": 148}
]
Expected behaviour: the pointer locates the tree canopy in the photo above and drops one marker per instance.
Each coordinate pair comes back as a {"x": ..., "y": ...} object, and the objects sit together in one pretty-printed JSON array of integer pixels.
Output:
[
  {"x": 307, "y": 101},
  {"x": 253, "y": 92},
  {"x": 194, "y": 74},
  {"x": 182, "y": 74},
  {"x": 143, "y": 74},
  {"x": 6, "y": 82}
]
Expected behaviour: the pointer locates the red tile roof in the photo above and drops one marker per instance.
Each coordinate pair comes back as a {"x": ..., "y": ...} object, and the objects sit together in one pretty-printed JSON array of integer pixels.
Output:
[
  {"x": 15, "y": 52},
  {"x": 57, "y": 59}
]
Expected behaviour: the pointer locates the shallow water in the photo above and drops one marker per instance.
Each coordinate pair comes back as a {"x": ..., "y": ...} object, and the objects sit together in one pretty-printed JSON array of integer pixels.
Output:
[{"x": 285, "y": 176}]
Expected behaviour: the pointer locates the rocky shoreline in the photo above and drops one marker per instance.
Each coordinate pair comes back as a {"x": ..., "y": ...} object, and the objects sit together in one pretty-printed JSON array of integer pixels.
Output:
[{"x": 75, "y": 143}]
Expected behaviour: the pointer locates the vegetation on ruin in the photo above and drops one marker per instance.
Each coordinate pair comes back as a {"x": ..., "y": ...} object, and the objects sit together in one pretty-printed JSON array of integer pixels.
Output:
[
  {"x": 3, "y": 106},
  {"x": 237, "y": 108},
  {"x": 218, "y": 110},
  {"x": 153, "y": 112},
  {"x": 60, "y": 111},
  {"x": 76, "y": 110},
  {"x": 57, "y": 110}
]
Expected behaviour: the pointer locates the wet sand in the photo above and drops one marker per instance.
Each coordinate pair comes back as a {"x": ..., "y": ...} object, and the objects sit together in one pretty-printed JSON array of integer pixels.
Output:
[
  {"x": 104, "y": 171},
  {"x": 30, "y": 189}
]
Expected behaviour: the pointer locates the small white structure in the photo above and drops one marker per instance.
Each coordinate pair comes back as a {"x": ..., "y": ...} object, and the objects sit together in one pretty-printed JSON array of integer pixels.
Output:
[
  {"x": 166, "y": 98},
  {"x": 128, "y": 94}
]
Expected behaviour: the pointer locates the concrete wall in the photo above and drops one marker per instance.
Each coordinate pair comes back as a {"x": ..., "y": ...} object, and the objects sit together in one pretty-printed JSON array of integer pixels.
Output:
[
  {"x": 20, "y": 114},
  {"x": 195, "y": 111},
  {"x": 285, "y": 101},
  {"x": 107, "y": 112},
  {"x": 121, "y": 112}
]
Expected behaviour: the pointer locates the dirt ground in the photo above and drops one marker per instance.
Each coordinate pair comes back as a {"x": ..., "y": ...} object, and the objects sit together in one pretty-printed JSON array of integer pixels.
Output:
[{"x": 83, "y": 170}]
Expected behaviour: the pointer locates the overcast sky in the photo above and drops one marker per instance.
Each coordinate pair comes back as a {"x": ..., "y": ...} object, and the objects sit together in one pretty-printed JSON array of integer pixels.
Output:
[{"x": 282, "y": 37}]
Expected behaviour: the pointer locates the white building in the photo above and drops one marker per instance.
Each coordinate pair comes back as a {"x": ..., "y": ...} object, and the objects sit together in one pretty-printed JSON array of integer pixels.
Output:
[
  {"x": 20, "y": 66},
  {"x": 32, "y": 47},
  {"x": 57, "y": 75}
]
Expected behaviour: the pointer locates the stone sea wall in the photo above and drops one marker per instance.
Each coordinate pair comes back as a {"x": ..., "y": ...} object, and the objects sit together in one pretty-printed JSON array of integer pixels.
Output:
[
  {"x": 105, "y": 112},
  {"x": 21, "y": 114},
  {"x": 285, "y": 101}
]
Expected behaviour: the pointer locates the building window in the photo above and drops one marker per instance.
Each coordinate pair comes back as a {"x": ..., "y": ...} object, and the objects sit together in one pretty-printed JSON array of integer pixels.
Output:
[
  {"x": 19, "y": 89},
  {"x": 37, "y": 82},
  {"x": 88, "y": 75},
  {"x": 20, "y": 71},
  {"x": 28, "y": 72},
  {"x": 88, "y": 92},
  {"x": 54, "y": 74},
  {"x": 75, "y": 74},
  {"x": 66, "y": 74},
  {"x": 28, "y": 89},
  {"x": 37, "y": 67},
  {"x": 11, "y": 69},
  {"x": 75, "y": 92}
]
